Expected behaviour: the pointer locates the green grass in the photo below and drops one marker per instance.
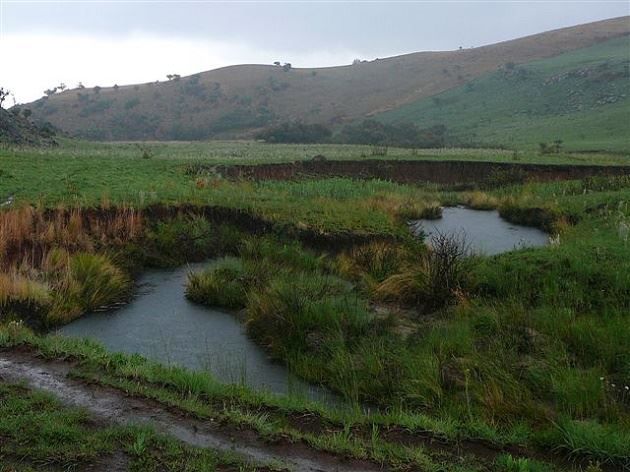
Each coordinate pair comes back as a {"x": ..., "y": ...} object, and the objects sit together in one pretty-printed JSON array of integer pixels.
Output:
[
  {"x": 558, "y": 98},
  {"x": 515, "y": 356},
  {"x": 252, "y": 152},
  {"x": 114, "y": 177},
  {"x": 38, "y": 433}
]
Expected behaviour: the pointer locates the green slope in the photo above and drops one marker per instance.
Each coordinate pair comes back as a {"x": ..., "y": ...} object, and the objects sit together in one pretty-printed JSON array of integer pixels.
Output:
[{"x": 581, "y": 97}]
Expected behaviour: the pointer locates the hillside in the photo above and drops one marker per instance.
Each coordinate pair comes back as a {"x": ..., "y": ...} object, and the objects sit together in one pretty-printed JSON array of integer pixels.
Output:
[
  {"x": 17, "y": 129},
  {"x": 236, "y": 100},
  {"x": 581, "y": 97}
]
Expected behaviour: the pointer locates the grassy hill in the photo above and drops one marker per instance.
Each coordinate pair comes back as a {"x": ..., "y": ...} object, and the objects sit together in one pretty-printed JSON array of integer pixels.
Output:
[
  {"x": 17, "y": 129},
  {"x": 237, "y": 100},
  {"x": 581, "y": 97}
]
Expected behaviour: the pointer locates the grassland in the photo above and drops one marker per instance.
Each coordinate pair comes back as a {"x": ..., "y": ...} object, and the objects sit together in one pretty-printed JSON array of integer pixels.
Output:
[
  {"x": 581, "y": 97},
  {"x": 39, "y": 433},
  {"x": 525, "y": 350}
]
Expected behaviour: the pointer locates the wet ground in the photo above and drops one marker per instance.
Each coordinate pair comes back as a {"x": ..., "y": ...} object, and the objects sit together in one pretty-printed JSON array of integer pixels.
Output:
[{"x": 115, "y": 407}]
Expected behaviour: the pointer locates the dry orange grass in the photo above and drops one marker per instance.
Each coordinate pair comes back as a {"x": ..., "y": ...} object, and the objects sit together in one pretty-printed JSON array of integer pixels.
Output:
[
  {"x": 402, "y": 208},
  {"x": 16, "y": 287},
  {"x": 30, "y": 233}
]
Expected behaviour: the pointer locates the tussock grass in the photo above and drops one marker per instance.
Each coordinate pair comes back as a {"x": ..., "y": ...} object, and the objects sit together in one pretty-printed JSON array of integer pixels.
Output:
[
  {"x": 23, "y": 297},
  {"x": 372, "y": 263},
  {"x": 303, "y": 307},
  {"x": 479, "y": 200},
  {"x": 223, "y": 284}
]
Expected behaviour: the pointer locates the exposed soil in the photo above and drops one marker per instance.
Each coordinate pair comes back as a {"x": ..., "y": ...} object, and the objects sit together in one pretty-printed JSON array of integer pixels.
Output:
[
  {"x": 417, "y": 171},
  {"x": 114, "y": 407},
  {"x": 110, "y": 406}
]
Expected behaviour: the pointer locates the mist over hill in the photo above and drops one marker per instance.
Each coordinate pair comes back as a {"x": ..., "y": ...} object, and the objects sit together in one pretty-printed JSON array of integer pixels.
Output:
[{"x": 238, "y": 101}]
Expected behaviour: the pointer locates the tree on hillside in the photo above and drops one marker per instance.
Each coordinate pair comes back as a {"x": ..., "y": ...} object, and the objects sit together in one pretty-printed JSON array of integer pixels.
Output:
[
  {"x": 286, "y": 67},
  {"x": 50, "y": 92},
  {"x": 173, "y": 76},
  {"x": 4, "y": 93},
  {"x": 62, "y": 86},
  {"x": 277, "y": 63}
]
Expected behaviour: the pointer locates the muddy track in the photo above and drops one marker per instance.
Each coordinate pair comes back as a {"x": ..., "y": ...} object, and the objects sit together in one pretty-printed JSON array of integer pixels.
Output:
[{"x": 114, "y": 407}]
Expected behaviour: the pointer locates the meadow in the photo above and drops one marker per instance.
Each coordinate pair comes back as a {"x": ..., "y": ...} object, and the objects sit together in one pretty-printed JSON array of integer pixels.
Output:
[{"x": 526, "y": 351}]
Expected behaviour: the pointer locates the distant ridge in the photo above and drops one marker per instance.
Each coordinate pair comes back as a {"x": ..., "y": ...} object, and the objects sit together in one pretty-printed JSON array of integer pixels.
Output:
[{"x": 235, "y": 101}]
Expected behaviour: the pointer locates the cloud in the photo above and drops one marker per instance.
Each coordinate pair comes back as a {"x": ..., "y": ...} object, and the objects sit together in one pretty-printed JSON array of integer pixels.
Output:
[{"x": 33, "y": 62}]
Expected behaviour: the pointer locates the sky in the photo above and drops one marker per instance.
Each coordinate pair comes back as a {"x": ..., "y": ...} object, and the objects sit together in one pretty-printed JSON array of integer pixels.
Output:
[{"x": 44, "y": 43}]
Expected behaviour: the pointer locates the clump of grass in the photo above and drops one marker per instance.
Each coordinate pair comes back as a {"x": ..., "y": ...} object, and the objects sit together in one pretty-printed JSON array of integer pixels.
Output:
[
  {"x": 272, "y": 251},
  {"x": 509, "y": 463},
  {"x": 579, "y": 393},
  {"x": 478, "y": 200},
  {"x": 547, "y": 217},
  {"x": 100, "y": 282},
  {"x": 404, "y": 208},
  {"x": 372, "y": 263},
  {"x": 295, "y": 306},
  {"x": 609, "y": 444},
  {"x": 223, "y": 284},
  {"x": 23, "y": 297},
  {"x": 83, "y": 282},
  {"x": 178, "y": 240}
]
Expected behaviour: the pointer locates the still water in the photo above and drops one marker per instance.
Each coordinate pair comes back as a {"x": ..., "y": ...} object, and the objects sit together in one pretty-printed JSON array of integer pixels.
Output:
[
  {"x": 484, "y": 231},
  {"x": 162, "y": 325}
]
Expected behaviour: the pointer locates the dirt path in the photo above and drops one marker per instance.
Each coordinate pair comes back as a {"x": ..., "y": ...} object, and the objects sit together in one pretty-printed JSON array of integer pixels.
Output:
[{"x": 115, "y": 407}]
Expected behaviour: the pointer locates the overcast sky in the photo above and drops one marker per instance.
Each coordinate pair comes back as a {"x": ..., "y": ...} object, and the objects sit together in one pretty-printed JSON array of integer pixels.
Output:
[{"x": 43, "y": 43}]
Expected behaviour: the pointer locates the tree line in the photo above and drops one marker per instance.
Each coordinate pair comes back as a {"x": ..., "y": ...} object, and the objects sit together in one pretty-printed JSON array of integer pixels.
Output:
[{"x": 369, "y": 132}]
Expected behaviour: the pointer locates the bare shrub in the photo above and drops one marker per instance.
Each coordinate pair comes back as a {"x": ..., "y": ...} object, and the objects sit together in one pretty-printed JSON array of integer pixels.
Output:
[{"x": 436, "y": 280}]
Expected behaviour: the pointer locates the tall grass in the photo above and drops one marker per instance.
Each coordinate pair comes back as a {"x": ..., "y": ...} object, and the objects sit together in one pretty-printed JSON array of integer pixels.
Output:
[
  {"x": 296, "y": 306},
  {"x": 372, "y": 263},
  {"x": 223, "y": 284},
  {"x": 30, "y": 232}
]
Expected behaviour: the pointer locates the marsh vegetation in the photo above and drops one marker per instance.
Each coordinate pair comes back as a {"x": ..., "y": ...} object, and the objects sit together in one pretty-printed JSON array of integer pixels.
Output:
[{"x": 526, "y": 349}]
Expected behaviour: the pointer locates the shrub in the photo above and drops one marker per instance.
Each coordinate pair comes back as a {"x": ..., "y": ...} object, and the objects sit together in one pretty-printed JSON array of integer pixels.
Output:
[{"x": 436, "y": 279}]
